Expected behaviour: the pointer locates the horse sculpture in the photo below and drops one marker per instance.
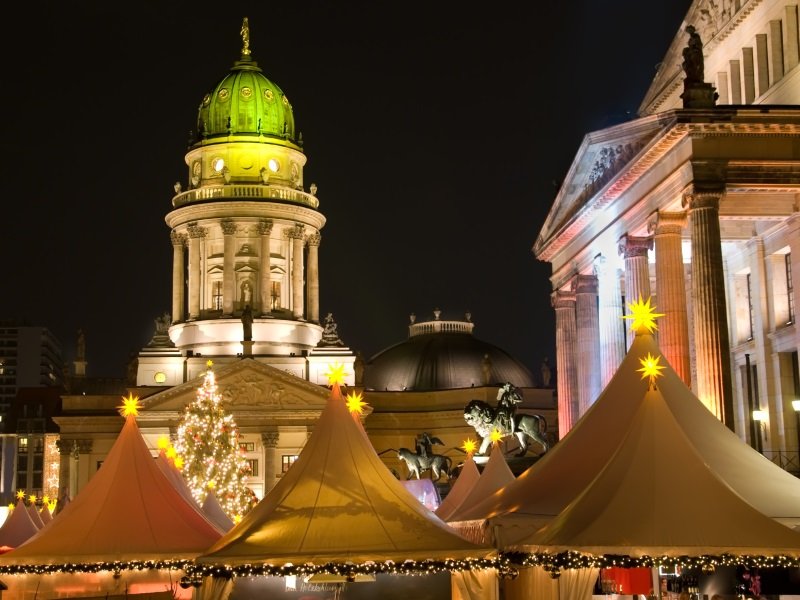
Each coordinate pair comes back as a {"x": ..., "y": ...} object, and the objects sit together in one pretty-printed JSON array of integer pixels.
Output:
[
  {"x": 484, "y": 419},
  {"x": 439, "y": 464}
]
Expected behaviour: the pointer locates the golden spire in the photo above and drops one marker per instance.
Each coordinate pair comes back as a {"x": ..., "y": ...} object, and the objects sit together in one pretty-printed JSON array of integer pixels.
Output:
[{"x": 245, "y": 32}]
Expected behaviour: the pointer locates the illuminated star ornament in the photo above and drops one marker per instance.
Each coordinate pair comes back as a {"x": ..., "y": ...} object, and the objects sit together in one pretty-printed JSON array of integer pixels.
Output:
[
  {"x": 651, "y": 368},
  {"x": 469, "y": 446},
  {"x": 335, "y": 374},
  {"x": 130, "y": 406},
  {"x": 643, "y": 316},
  {"x": 355, "y": 403},
  {"x": 21, "y": 495},
  {"x": 496, "y": 436}
]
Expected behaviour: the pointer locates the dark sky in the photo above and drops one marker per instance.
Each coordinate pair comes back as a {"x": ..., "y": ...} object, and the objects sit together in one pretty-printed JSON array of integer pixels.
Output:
[{"x": 434, "y": 131}]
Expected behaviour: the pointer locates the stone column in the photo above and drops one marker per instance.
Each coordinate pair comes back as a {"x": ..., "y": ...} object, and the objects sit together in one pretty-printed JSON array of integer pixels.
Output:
[
  {"x": 588, "y": 337},
  {"x": 637, "y": 271},
  {"x": 84, "y": 471},
  {"x": 312, "y": 278},
  {"x": 712, "y": 343},
  {"x": 673, "y": 327},
  {"x": 269, "y": 439},
  {"x": 178, "y": 242},
  {"x": 196, "y": 234},
  {"x": 296, "y": 235},
  {"x": 612, "y": 329},
  {"x": 265, "y": 267},
  {"x": 65, "y": 473},
  {"x": 228, "y": 276},
  {"x": 566, "y": 373}
]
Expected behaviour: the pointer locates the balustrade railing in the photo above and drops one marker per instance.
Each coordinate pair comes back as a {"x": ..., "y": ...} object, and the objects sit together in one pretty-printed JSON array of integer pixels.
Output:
[
  {"x": 246, "y": 192},
  {"x": 788, "y": 460}
]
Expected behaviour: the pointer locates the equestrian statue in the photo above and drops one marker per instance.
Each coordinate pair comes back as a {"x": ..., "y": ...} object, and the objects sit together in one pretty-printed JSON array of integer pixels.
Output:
[
  {"x": 482, "y": 417},
  {"x": 424, "y": 459}
]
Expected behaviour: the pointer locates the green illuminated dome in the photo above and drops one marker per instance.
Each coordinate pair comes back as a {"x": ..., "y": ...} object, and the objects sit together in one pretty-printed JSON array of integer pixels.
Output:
[{"x": 245, "y": 103}]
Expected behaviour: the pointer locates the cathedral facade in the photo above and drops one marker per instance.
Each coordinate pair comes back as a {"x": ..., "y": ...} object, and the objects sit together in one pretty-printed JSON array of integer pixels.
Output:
[{"x": 694, "y": 204}]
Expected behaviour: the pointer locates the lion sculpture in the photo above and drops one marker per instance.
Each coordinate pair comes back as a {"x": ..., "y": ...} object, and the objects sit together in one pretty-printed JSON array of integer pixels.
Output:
[
  {"x": 439, "y": 464},
  {"x": 482, "y": 417}
]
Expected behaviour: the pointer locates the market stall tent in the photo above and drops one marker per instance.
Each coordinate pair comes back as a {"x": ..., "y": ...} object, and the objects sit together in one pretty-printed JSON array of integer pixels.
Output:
[
  {"x": 338, "y": 503},
  {"x": 463, "y": 485}
]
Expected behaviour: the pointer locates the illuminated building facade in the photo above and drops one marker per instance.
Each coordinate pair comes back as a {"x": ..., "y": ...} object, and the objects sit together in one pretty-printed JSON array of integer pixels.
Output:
[{"x": 695, "y": 204}]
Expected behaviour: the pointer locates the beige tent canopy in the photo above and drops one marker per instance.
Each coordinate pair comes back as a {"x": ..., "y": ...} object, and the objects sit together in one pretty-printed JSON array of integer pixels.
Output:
[
  {"x": 17, "y": 528},
  {"x": 495, "y": 476},
  {"x": 127, "y": 511},
  {"x": 461, "y": 488},
  {"x": 543, "y": 491},
  {"x": 215, "y": 513},
  {"x": 339, "y": 504}
]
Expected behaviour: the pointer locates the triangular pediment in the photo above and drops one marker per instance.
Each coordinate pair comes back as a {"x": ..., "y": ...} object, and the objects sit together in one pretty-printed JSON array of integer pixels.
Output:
[
  {"x": 602, "y": 157},
  {"x": 245, "y": 386}
]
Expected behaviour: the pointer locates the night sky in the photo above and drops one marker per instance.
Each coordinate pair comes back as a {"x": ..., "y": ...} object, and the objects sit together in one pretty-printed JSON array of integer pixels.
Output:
[{"x": 436, "y": 133}]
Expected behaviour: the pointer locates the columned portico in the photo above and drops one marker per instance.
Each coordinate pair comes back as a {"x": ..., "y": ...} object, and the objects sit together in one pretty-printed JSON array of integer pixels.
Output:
[
  {"x": 588, "y": 341},
  {"x": 637, "y": 271},
  {"x": 566, "y": 346},
  {"x": 708, "y": 291},
  {"x": 612, "y": 330},
  {"x": 673, "y": 328}
]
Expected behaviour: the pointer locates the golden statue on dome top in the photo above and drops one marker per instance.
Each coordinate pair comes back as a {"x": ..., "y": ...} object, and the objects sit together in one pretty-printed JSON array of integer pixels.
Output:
[{"x": 245, "y": 33}]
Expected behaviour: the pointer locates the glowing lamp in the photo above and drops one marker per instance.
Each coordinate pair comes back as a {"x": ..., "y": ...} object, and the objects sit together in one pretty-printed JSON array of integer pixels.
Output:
[
  {"x": 796, "y": 405},
  {"x": 759, "y": 415}
]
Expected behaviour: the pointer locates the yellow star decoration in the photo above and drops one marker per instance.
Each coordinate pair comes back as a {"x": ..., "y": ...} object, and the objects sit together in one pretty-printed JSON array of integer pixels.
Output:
[
  {"x": 178, "y": 462},
  {"x": 643, "y": 316},
  {"x": 21, "y": 495},
  {"x": 212, "y": 484},
  {"x": 51, "y": 506},
  {"x": 11, "y": 506},
  {"x": 335, "y": 374},
  {"x": 650, "y": 367},
  {"x": 469, "y": 446},
  {"x": 45, "y": 499},
  {"x": 496, "y": 436},
  {"x": 355, "y": 403},
  {"x": 163, "y": 442},
  {"x": 32, "y": 498},
  {"x": 130, "y": 406},
  {"x": 171, "y": 452},
  {"x": 237, "y": 519}
]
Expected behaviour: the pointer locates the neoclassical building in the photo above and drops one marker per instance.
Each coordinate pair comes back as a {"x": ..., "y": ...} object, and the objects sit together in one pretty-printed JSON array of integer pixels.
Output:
[
  {"x": 694, "y": 204},
  {"x": 246, "y": 236}
]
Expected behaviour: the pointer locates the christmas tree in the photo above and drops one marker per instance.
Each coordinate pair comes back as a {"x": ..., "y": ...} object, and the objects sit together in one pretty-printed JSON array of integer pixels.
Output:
[{"x": 208, "y": 443}]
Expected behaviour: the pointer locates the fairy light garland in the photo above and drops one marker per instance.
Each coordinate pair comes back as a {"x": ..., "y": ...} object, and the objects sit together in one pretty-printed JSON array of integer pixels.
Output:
[{"x": 707, "y": 563}]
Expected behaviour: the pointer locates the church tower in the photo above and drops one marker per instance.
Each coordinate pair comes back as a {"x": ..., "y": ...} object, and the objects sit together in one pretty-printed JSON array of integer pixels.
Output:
[{"x": 245, "y": 235}]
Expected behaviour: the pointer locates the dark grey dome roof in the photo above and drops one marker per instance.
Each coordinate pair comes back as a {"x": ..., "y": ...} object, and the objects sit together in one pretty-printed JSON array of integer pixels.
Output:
[{"x": 442, "y": 355}]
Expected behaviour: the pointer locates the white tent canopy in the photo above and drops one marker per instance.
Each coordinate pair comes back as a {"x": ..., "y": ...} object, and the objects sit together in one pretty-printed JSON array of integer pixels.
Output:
[
  {"x": 338, "y": 503},
  {"x": 214, "y": 512}
]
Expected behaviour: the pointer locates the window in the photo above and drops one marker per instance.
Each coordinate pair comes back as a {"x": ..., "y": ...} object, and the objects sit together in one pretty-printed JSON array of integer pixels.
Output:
[
  {"x": 253, "y": 467},
  {"x": 275, "y": 295},
  {"x": 287, "y": 460},
  {"x": 22, "y": 444},
  {"x": 216, "y": 295},
  {"x": 789, "y": 286},
  {"x": 247, "y": 446}
]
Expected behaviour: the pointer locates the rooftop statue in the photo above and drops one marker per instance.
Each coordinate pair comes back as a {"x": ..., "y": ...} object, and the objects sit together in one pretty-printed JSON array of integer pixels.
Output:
[
  {"x": 330, "y": 336},
  {"x": 693, "y": 57}
]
